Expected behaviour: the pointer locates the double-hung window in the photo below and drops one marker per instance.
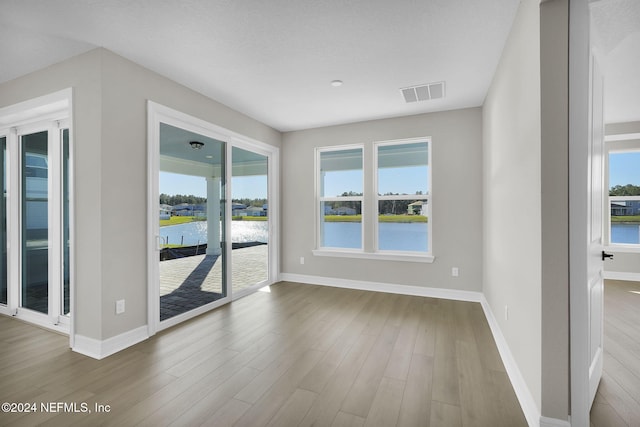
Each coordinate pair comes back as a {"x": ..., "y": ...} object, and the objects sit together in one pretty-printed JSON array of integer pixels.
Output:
[
  {"x": 624, "y": 196},
  {"x": 374, "y": 200},
  {"x": 402, "y": 196},
  {"x": 340, "y": 197}
]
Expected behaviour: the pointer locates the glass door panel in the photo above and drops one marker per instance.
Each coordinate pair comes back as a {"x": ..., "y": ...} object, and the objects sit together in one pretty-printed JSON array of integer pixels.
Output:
[
  {"x": 35, "y": 221},
  {"x": 66, "y": 239},
  {"x": 192, "y": 233},
  {"x": 3, "y": 221},
  {"x": 250, "y": 213}
]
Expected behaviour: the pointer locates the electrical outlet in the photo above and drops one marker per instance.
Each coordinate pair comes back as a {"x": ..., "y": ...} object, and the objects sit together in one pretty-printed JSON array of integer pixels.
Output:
[
  {"x": 455, "y": 272},
  {"x": 120, "y": 306},
  {"x": 301, "y": 260}
]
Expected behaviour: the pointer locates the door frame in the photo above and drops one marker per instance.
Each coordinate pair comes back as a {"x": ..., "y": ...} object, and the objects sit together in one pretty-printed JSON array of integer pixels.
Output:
[
  {"x": 51, "y": 113},
  {"x": 156, "y": 114}
]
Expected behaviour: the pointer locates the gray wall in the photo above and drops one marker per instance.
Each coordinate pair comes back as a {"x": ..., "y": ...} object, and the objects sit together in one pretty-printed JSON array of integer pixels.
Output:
[
  {"x": 512, "y": 195},
  {"x": 124, "y": 181},
  {"x": 110, "y": 150},
  {"x": 84, "y": 74},
  {"x": 555, "y": 334},
  {"x": 457, "y": 201},
  {"x": 525, "y": 198}
]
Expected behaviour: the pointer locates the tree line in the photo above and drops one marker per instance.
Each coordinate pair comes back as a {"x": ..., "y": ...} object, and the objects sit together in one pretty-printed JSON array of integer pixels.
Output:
[
  {"x": 625, "y": 190},
  {"x": 178, "y": 199},
  {"x": 386, "y": 207}
]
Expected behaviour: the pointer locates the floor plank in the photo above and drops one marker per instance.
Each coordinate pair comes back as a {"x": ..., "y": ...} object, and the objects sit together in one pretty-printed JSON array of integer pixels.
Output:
[
  {"x": 300, "y": 355},
  {"x": 617, "y": 401}
]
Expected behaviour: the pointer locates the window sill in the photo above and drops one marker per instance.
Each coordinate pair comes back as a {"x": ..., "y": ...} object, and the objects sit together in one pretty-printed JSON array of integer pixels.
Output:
[{"x": 378, "y": 256}]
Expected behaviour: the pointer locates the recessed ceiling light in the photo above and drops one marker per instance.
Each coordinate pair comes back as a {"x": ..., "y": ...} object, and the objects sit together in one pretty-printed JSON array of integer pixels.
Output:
[
  {"x": 336, "y": 83},
  {"x": 209, "y": 157},
  {"x": 196, "y": 145}
]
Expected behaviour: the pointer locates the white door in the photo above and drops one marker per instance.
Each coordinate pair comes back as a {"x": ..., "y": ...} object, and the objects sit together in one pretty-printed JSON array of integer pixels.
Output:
[{"x": 596, "y": 248}]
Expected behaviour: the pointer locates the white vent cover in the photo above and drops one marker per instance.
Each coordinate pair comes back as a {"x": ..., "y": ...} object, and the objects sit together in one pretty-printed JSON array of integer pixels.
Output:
[{"x": 423, "y": 92}]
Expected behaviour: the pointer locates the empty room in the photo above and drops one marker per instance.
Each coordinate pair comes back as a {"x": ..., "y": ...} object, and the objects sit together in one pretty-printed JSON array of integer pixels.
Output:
[{"x": 308, "y": 213}]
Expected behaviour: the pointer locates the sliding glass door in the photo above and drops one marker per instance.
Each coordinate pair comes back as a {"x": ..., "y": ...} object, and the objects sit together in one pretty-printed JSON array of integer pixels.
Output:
[
  {"x": 250, "y": 220},
  {"x": 35, "y": 221},
  {"x": 192, "y": 221},
  {"x": 35, "y": 279},
  {"x": 211, "y": 221}
]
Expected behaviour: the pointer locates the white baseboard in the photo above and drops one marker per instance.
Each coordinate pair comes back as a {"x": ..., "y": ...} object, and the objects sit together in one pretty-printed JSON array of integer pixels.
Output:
[
  {"x": 451, "y": 294},
  {"x": 553, "y": 422},
  {"x": 529, "y": 406},
  {"x": 100, "y": 349},
  {"x": 622, "y": 275},
  {"x": 528, "y": 403}
]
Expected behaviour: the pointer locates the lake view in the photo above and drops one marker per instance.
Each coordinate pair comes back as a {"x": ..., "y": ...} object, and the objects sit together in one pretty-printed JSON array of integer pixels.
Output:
[{"x": 347, "y": 234}]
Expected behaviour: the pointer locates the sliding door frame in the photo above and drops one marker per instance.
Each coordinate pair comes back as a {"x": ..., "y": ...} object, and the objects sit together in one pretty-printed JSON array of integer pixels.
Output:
[
  {"x": 156, "y": 114},
  {"x": 50, "y": 113}
]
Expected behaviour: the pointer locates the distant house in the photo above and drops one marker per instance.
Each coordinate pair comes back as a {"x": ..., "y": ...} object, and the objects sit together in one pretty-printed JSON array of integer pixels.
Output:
[
  {"x": 625, "y": 208},
  {"x": 343, "y": 210},
  {"x": 165, "y": 213},
  {"x": 418, "y": 208},
  {"x": 238, "y": 209},
  {"x": 186, "y": 209},
  {"x": 256, "y": 211}
]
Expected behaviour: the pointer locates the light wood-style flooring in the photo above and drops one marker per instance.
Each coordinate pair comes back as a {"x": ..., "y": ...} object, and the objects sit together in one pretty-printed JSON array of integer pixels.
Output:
[
  {"x": 299, "y": 355},
  {"x": 617, "y": 401}
]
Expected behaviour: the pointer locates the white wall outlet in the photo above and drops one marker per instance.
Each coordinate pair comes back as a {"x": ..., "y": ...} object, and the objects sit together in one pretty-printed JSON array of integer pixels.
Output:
[
  {"x": 301, "y": 260},
  {"x": 506, "y": 312},
  {"x": 455, "y": 272},
  {"x": 120, "y": 306}
]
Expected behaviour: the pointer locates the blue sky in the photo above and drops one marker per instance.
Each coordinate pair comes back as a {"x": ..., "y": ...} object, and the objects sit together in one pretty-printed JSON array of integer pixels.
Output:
[
  {"x": 406, "y": 180},
  {"x": 624, "y": 168},
  {"x": 251, "y": 187}
]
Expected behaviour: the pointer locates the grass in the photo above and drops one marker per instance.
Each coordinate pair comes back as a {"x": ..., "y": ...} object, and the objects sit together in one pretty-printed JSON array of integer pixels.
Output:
[
  {"x": 626, "y": 219},
  {"x": 381, "y": 218},
  {"x": 175, "y": 220},
  {"x": 249, "y": 218}
]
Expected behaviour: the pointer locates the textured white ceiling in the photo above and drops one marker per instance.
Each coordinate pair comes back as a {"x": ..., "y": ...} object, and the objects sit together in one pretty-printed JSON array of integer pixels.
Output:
[{"x": 274, "y": 60}]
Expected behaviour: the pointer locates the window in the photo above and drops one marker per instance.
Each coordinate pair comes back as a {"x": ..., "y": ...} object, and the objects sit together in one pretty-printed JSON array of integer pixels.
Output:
[
  {"x": 341, "y": 198},
  {"x": 403, "y": 196},
  {"x": 379, "y": 208},
  {"x": 624, "y": 197}
]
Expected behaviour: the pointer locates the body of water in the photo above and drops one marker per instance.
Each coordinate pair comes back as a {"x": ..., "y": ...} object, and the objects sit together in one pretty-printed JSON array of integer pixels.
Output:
[
  {"x": 195, "y": 233},
  {"x": 393, "y": 236},
  {"x": 348, "y": 234},
  {"x": 625, "y": 233}
]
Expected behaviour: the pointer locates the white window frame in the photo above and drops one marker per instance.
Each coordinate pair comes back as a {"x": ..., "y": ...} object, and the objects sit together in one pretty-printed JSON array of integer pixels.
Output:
[
  {"x": 369, "y": 207},
  {"x": 617, "y": 144},
  {"x": 379, "y": 198},
  {"x": 320, "y": 199}
]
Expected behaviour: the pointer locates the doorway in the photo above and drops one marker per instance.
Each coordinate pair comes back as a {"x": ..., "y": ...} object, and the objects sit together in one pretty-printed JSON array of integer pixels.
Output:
[
  {"x": 211, "y": 226},
  {"x": 192, "y": 221},
  {"x": 35, "y": 212}
]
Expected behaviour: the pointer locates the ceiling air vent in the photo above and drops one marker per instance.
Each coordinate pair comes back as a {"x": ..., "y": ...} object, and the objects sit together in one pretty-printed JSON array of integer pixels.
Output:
[{"x": 423, "y": 92}]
